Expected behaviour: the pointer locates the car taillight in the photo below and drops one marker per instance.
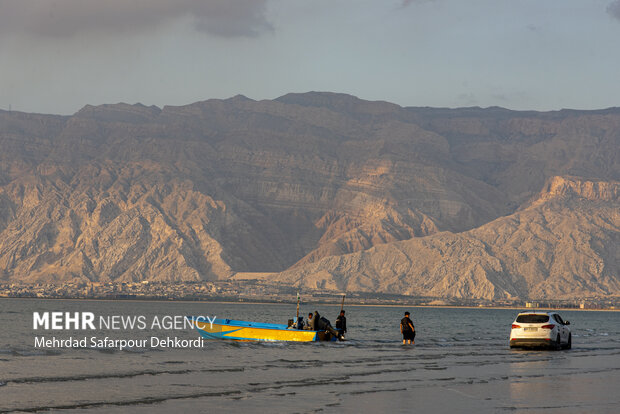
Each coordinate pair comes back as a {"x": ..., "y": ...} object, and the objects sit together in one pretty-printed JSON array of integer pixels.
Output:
[
  {"x": 547, "y": 327},
  {"x": 515, "y": 326}
]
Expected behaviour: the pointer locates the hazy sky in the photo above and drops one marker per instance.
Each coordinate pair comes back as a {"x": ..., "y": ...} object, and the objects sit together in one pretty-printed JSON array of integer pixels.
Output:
[{"x": 58, "y": 55}]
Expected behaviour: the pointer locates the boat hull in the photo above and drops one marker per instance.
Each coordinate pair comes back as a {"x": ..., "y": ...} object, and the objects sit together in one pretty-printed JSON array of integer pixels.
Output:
[{"x": 254, "y": 331}]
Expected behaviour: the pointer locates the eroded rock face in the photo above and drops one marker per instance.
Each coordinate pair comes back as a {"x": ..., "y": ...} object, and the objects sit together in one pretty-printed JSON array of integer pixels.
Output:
[
  {"x": 157, "y": 231},
  {"x": 313, "y": 183},
  {"x": 589, "y": 189}
]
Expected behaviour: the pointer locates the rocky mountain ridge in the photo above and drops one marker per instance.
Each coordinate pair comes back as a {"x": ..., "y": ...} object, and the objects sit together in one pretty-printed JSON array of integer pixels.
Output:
[{"x": 305, "y": 186}]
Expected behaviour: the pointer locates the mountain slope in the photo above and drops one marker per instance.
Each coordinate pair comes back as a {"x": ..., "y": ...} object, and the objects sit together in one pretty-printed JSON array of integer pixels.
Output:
[
  {"x": 202, "y": 191},
  {"x": 563, "y": 244}
]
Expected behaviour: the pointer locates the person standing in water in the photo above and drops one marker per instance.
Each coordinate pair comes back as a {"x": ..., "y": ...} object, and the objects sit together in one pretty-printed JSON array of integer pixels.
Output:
[
  {"x": 407, "y": 329},
  {"x": 341, "y": 324}
]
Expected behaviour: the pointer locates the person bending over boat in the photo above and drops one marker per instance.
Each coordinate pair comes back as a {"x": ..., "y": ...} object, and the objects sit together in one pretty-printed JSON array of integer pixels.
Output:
[{"x": 341, "y": 324}]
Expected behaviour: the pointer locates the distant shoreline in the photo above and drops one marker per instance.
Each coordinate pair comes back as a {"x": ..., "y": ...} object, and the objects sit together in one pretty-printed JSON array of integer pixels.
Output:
[{"x": 387, "y": 305}]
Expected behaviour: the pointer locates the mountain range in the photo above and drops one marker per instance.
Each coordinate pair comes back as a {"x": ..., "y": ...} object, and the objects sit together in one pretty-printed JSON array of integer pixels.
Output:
[{"x": 319, "y": 190}]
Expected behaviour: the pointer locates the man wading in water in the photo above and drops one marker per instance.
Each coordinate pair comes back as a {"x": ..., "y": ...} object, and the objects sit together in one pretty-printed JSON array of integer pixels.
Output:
[
  {"x": 341, "y": 324},
  {"x": 407, "y": 329}
]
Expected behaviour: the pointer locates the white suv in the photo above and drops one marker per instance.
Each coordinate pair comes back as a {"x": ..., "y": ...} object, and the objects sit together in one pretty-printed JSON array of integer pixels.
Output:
[{"x": 540, "y": 329}]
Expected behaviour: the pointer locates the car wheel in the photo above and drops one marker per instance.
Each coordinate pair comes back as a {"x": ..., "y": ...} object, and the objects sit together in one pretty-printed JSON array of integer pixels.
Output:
[
  {"x": 569, "y": 344},
  {"x": 558, "y": 342}
]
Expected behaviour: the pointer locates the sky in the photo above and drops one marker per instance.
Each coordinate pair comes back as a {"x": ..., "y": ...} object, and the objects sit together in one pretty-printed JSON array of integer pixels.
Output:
[{"x": 58, "y": 55}]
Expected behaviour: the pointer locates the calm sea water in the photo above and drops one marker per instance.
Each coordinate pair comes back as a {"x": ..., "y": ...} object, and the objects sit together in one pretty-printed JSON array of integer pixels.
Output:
[{"x": 461, "y": 363}]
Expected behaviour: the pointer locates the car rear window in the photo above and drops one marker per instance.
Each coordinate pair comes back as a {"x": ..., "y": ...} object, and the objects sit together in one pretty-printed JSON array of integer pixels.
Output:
[{"x": 533, "y": 318}]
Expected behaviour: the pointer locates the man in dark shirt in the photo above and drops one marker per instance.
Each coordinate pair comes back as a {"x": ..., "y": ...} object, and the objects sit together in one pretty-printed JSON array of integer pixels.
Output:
[
  {"x": 407, "y": 329},
  {"x": 341, "y": 324}
]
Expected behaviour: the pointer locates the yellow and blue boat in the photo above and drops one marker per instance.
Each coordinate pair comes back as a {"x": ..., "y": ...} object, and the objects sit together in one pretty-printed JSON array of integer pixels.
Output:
[{"x": 256, "y": 331}]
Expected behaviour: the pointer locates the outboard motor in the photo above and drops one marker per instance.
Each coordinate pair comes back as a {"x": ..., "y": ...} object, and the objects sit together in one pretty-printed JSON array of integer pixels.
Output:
[{"x": 325, "y": 325}]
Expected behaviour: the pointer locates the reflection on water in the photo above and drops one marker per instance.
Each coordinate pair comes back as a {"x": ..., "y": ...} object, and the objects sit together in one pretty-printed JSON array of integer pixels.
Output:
[
  {"x": 461, "y": 363},
  {"x": 583, "y": 380},
  {"x": 535, "y": 381}
]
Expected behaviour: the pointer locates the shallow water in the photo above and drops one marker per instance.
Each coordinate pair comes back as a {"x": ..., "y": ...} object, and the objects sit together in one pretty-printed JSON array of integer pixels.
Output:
[{"x": 461, "y": 363}]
